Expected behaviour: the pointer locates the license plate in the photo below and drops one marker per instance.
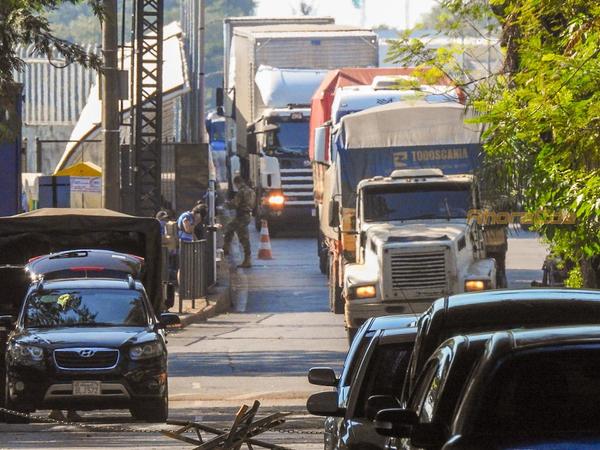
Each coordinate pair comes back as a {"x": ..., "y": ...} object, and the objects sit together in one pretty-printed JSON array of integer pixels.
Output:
[
  {"x": 86, "y": 388},
  {"x": 314, "y": 212}
]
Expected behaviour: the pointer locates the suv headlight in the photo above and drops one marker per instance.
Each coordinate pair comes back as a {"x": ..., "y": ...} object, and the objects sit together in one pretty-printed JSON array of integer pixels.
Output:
[
  {"x": 26, "y": 354},
  {"x": 145, "y": 351}
]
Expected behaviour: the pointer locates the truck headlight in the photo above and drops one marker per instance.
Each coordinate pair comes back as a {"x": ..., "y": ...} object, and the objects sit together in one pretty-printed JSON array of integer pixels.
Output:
[
  {"x": 145, "y": 351},
  {"x": 476, "y": 285},
  {"x": 276, "y": 200},
  {"x": 26, "y": 354},
  {"x": 367, "y": 291}
]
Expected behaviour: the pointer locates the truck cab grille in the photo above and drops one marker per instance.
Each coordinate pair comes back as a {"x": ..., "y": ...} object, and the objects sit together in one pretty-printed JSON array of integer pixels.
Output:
[
  {"x": 423, "y": 272},
  {"x": 86, "y": 358},
  {"x": 297, "y": 185}
]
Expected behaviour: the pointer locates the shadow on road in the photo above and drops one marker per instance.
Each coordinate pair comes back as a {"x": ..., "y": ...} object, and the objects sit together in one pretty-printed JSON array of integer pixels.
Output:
[{"x": 264, "y": 364}]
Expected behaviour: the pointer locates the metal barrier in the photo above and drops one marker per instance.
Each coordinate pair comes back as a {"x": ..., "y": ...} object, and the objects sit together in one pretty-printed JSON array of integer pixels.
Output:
[{"x": 192, "y": 271}]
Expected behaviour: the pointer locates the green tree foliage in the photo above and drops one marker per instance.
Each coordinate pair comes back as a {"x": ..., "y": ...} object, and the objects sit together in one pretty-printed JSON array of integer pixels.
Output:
[
  {"x": 24, "y": 22},
  {"x": 542, "y": 112}
]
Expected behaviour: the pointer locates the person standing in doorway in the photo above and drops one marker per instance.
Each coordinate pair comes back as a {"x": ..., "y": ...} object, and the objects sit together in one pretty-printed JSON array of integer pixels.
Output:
[{"x": 243, "y": 204}]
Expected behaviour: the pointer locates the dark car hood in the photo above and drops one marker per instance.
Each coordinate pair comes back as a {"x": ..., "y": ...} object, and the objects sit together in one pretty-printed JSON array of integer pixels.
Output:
[
  {"x": 575, "y": 442},
  {"x": 80, "y": 336}
]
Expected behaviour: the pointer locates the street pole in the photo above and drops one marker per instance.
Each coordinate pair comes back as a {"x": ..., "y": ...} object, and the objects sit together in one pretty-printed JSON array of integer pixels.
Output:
[
  {"x": 201, "y": 87},
  {"x": 111, "y": 191}
]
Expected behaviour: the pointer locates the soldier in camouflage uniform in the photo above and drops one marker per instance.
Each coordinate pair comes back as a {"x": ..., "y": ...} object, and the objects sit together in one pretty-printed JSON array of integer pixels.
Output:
[{"x": 243, "y": 204}]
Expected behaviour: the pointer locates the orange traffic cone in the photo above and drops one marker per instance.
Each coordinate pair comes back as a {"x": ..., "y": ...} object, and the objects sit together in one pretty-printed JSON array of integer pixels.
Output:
[{"x": 265, "y": 242}]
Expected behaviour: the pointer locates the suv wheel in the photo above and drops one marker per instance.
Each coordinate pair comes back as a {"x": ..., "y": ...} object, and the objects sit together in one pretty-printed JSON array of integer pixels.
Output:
[
  {"x": 8, "y": 404},
  {"x": 154, "y": 411}
]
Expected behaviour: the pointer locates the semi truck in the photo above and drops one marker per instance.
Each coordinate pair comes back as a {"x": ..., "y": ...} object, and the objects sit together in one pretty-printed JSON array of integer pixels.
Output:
[
  {"x": 397, "y": 193},
  {"x": 268, "y": 140},
  {"x": 348, "y": 91}
]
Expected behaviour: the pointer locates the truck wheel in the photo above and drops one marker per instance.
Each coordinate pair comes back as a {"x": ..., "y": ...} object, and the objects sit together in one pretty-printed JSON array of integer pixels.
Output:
[
  {"x": 501, "y": 281},
  {"x": 351, "y": 333},
  {"x": 336, "y": 302}
]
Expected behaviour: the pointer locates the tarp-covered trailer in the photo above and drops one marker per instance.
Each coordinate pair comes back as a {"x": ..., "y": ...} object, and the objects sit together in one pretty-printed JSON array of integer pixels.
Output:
[{"x": 44, "y": 231}]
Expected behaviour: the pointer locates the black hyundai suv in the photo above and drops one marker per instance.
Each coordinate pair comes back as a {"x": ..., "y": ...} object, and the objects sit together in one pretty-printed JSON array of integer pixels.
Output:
[{"x": 85, "y": 344}]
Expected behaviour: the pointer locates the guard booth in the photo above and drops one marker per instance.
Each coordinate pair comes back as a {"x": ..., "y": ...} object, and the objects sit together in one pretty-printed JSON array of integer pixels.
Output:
[{"x": 76, "y": 186}]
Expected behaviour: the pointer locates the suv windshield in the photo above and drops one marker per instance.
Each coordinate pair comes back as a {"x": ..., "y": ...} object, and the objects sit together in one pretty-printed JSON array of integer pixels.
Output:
[
  {"x": 416, "y": 202},
  {"x": 85, "y": 307},
  {"x": 291, "y": 138}
]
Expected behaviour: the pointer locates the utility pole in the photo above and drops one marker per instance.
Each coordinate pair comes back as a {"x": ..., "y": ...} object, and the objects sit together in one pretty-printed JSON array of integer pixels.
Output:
[
  {"x": 111, "y": 191},
  {"x": 201, "y": 78}
]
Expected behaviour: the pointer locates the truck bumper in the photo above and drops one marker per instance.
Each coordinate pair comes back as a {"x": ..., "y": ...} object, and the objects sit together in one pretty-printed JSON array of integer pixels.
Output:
[
  {"x": 357, "y": 313},
  {"x": 301, "y": 215}
]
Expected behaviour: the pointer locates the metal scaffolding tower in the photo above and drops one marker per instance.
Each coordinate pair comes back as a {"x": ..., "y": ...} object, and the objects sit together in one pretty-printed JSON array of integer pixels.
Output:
[{"x": 147, "y": 117}]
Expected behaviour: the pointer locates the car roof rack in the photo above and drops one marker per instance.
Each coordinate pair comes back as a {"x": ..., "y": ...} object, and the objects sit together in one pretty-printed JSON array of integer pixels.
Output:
[
  {"x": 40, "y": 283},
  {"x": 70, "y": 254}
]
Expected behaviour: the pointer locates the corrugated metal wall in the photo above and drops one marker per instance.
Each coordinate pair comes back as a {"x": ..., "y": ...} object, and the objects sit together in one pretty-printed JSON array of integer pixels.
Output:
[{"x": 54, "y": 94}]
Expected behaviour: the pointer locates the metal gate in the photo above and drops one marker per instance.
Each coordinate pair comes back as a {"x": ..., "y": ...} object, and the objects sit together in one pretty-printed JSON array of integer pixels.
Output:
[{"x": 192, "y": 270}]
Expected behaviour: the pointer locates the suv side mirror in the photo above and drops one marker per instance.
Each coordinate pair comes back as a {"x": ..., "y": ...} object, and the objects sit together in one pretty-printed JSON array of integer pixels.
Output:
[
  {"x": 322, "y": 376},
  {"x": 395, "y": 422},
  {"x": 7, "y": 322},
  {"x": 251, "y": 139},
  {"x": 334, "y": 214},
  {"x": 376, "y": 403},
  {"x": 324, "y": 404},
  {"x": 169, "y": 319}
]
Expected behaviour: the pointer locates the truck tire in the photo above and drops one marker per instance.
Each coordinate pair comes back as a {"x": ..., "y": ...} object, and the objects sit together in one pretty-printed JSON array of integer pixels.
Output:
[
  {"x": 501, "y": 280},
  {"x": 324, "y": 262},
  {"x": 336, "y": 301}
]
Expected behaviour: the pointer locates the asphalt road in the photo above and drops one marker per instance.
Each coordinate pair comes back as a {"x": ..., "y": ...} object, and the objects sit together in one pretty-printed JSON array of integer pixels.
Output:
[{"x": 280, "y": 327}]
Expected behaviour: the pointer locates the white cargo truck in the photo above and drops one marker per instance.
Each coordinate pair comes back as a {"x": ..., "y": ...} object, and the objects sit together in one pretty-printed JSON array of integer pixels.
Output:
[
  {"x": 273, "y": 71},
  {"x": 395, "y": 206}
]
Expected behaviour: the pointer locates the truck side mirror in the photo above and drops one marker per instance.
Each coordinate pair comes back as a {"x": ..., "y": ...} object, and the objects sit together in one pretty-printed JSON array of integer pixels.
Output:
[
  {"x": 320, "y": 144},
  {"x": 251, "y": 139},
  {"x": 219, "y": 99},
  {"x": 334, "y": 214},
  {"x": 324, "y": 404}
]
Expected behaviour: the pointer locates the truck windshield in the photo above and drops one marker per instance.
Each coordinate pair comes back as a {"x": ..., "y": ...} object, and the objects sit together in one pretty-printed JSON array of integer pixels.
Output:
[
  {"x": 85, "y": 308},
  {"x": 291, "y": 138},
  {"x": 416, "y": 202}
]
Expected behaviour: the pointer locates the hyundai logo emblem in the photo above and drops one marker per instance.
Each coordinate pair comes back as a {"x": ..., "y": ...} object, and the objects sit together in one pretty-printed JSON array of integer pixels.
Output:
[{"x": 87, "y": 353}]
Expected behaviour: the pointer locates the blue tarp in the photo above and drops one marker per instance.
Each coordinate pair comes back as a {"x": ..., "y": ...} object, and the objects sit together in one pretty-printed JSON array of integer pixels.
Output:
[
  {"x": 359, "y": 164},
  {"x": 10, "y": 154}
]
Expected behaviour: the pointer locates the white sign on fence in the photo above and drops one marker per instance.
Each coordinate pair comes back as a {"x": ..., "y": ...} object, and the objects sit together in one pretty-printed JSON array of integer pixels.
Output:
[{"x": 86, "y": 184}]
